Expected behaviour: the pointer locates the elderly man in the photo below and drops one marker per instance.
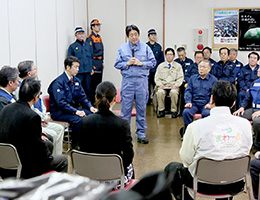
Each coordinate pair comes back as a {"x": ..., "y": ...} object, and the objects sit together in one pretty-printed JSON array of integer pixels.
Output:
[
  {"x": 248, "y": 75},
  {"x": 233, "y": 58},
  {"x": 135, "y": 59},
  {"x": 204, "y": 138},
  {"x": 21, "y": 127},
  {"x": 9, "y": 81},
  {"x": 197, "y": 93},
  {"x": 169, "y": 76}
]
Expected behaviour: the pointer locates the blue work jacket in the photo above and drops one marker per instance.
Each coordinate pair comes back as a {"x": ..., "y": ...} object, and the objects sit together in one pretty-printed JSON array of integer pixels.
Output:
[
  {"x": 191, "y": 70},
  {"x": 199, "y": 90},
  {"x": 228, "y": 72},
  {"x": 252, "y": 96},
  {"x": 142, "y": 52},
  {"x": 84, "y": 52},
  {"x": 247, "y": 77},
  {"x": 158, "y": 54},
  {"x": 185, "y": 64},
  {"x": 66, "y": 96}
]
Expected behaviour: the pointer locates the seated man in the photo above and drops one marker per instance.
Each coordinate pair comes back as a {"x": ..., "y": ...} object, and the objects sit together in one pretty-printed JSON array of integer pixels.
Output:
[
  {"x": 193, "y": 69},
  {"x": 228, "y": 71},
  {"x": 202, "y": 140},
  {"x": 169, "y": 75},
  {"x": 215, "y": 68},
  {"x": 9, "y": 81},
  {"x": 56, "y": 131},
  {"x": 21, "y": 127},
  {"x": 233, "y": 58},
  {"x": 67, "y": 95},
  {"x": 248, "y": 75},
  {"x": 250, "y": 109},
  {"x": 197, "y": 93}
]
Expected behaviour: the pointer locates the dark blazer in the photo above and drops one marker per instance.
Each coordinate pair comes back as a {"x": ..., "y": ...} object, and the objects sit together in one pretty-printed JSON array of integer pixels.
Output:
[
  {"x": 104, "y": 132},
  {"x": 21, "y": 126}
]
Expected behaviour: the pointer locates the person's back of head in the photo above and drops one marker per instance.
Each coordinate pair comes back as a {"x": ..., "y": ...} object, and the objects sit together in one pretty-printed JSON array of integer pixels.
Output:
[
  {"x": 105, "y": 94},
  {"x": 24, "y": 67},
  {"x": 29, "y": 89},
  {"x": 224, "y": 93},
  {"x": 7, "y": 74}
]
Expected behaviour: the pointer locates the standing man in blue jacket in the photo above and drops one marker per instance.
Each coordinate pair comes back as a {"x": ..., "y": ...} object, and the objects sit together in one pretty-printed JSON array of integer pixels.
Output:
[
  {"x": 68, "y": 101},
  {"x": 84, "y": 52},
  {"x": 228, "y": 68},
  {"x": 135, "y": 59},
  {"x": 95, "y": 40},
  {"x": 158, "y": 54}
]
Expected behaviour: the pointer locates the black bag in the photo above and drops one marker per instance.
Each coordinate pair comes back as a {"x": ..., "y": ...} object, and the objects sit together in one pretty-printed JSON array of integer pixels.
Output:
[{"x": 153, "y": 186}]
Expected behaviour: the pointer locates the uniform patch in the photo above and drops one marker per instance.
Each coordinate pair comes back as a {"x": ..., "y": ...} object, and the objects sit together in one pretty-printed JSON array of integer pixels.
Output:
[
  {"x": 58, "y": 90},
  {"x": 77, "y": 83},
  {"x": 76, "y": 48}
]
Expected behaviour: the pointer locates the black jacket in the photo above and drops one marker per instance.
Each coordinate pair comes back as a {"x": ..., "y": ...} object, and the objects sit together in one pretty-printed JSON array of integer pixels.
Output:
[
  {"x": 106, "y": 133},
  {"x": 21, "y": 126}
]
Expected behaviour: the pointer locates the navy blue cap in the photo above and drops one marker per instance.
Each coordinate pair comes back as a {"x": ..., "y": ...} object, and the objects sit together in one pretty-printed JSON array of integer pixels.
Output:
[
  {"x": 151, "y": 31},
  {"x": 79, "y": 29}
]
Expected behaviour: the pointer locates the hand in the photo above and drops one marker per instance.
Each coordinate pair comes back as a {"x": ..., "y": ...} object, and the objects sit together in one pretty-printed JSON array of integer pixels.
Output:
[
  {"x": 207, "y": 106},
  {"x": 93, "y": 110},
  {"x": 161, "y": 87},
  {"x": 92, "y": 72},
  {"x": 188, "y": 105},
  {"x": 257, "y": 154},
  {"x": 48, "y": 119},
  {"x": 44, "y": 132},
  {"x": 247, "y": 90},
  {"x": 173, "y": 87},
  {"x": 44, "y": 138},
  {"x": 138, "y": 62},
  {"x": 103, "y": 65},
  {"x": 256, "y": 114},
  {"x": 131, "y": 61},
  {"x": 81, "y": 113},
  {"x": 239, "y": 112}
]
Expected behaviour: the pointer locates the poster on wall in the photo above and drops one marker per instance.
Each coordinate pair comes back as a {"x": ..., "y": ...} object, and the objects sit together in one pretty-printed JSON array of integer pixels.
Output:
[
  {"x": 225, "y": 28},
  {"x": 249, "y": 30}
]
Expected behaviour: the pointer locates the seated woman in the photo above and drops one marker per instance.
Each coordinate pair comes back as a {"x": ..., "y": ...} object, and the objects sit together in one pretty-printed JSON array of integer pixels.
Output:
[{"x": 106, "y": 133}]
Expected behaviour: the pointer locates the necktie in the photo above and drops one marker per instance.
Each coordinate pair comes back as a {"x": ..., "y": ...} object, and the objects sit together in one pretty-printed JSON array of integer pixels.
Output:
[
  {"x": 71, "y": 80},
  {"x": 169, "y": 65}
]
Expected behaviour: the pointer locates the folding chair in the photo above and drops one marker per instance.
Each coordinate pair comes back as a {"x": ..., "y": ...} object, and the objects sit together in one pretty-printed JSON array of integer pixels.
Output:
[
  {"x": 220, "y": 173},
  {"x": 100, "y": 167},
  {"x": 63, "y": 123},
  {"x": 9, "y": 158}
]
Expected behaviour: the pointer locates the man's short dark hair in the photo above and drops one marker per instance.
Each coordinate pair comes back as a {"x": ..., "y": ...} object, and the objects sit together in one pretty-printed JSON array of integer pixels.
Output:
[
  {"x": 224, "y": 48},
  {"x": 130, "y": 28},
  {"x": 7, "y": 74},
  {"x": 210, "y": 50},
  {"x": 24, "y": 67},
  {"x": 180, "y": 49},
  {"x": 224, "y": 93},
  {"x": 253, "y": 53},
  {"x": 69, "y": 61},
  {"x": 29, "y": 89},
  {"x": 169, "y": 49},
  {"x": 198, "y": 52}
]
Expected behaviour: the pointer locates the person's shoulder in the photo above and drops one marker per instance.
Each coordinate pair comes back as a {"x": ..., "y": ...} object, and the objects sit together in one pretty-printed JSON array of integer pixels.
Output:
[
  {"x": 189, "y": 60},
  {"x": 176, "y": 64}
]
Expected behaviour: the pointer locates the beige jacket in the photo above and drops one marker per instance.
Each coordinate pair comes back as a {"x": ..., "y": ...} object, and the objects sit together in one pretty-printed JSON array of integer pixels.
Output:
[{"x": 169, "y": 77}]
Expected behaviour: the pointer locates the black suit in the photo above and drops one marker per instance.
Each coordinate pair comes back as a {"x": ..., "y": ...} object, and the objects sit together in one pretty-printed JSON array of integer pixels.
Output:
[
  {"x": 104, "y": 132},
  {"x": 21, "y": 126}
]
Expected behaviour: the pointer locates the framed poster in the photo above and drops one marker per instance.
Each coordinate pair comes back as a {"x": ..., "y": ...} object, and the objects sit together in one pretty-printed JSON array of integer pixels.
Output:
[
  {"x": 225, "y": 28},
  {"x": 249, "y": 29}
]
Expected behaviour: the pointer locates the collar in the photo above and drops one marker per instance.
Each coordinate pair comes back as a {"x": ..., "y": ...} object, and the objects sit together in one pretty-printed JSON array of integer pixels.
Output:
[
  {"x": 68, "y": 76},
  {"x": 24, "y": 103},
  {"x": 220, "y": 110},
  {"x": 5, "y": 91},
  {"x": 80, "y": 42},
  {"x": 97, "y": 35},
  {"x": 207, "y": 77},
  {"x": 136, "y": 47},
  {"x": 169, "y": 63}
]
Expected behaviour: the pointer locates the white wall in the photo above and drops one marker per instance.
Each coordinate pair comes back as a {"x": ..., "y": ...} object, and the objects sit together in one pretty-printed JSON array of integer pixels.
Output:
[{"x": 43, "y": 30}]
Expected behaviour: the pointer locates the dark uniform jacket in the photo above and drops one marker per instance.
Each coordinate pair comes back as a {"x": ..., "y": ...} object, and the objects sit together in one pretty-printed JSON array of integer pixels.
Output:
[
  {"x": 66, "y": 97},
  {"x": 247, "y": 77},
  {"x": 185, "y": 64},
  {"x": 21, "y": 126},
  {"x": 84, "y": 52},
  {"x": 5, "y": 99},
  {"x": 228, "y": 71},
  {"x": 158, "y": 54}
]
